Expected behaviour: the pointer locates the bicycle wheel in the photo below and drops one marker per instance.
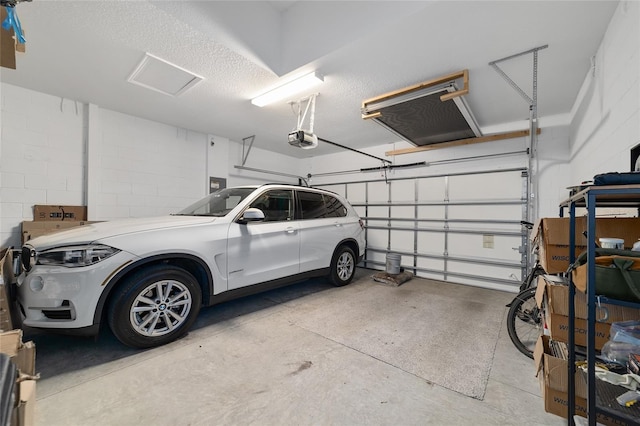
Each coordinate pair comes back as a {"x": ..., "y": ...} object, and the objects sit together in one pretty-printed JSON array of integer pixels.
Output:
[{"x": 524, "y": 321}]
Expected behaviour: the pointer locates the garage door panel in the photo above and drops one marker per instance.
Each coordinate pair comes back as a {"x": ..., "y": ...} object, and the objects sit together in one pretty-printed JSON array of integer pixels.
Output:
[
  {"x": 403, "y": 190},
  {"x": 378, "y": 211},
  {"x": 486, "y": 271},
  {"x": 492, "y": 186},
  {"x": 402, "y": 241},
  {"x": 378, "y": 192},
  {"x": 377, "y": 238},
  {"x": 429, "y": 263},
  {"x": 377, "y": 257},
  {"x": 431, "y": 242},
  {"x": 433, "y": 189},
  {"x": 431, "y": 212},
  {"x": 407, "y": 212},
  {"x": 356, "y": 192},
  {"x": 490, "y": 212},
  {"x": 476, "y": 246}
]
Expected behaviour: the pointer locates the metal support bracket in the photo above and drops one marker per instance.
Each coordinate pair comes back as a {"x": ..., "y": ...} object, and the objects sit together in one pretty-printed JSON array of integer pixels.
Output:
[
  {"x": 311, "y": 105},
  {"x": 531, "y": 187},
  {"x": 244, "y": 141}
]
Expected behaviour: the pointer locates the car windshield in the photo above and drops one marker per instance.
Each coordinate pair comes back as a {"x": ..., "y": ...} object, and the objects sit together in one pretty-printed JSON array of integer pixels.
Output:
[{"x": 217, "y": 204}]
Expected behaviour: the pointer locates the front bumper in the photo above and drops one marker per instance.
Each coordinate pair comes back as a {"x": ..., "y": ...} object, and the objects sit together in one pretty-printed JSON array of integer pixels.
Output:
[{"x": 65, "y": 298}]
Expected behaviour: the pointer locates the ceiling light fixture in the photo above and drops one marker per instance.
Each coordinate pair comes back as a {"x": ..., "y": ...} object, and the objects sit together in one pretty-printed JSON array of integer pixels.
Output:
[{"x": 295, "y": 86}]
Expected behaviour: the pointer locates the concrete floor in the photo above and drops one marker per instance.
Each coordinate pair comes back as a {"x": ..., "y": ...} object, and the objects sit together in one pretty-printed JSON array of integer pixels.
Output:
[{"x": 260, "y": 360}]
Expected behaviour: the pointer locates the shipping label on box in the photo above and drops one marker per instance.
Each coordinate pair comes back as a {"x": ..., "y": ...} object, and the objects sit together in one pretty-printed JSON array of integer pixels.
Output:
[{"x": 59, "y": 213}]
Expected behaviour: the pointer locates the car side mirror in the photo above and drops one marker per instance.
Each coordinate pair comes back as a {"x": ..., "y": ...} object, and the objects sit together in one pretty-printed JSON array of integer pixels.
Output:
[{"x": 251, "y": 215}]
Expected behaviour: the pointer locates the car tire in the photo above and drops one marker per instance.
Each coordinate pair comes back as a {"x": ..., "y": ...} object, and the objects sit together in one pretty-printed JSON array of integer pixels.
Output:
[
  {"x": 343, "y": 266},
  {"x": 154, "y": 306}
]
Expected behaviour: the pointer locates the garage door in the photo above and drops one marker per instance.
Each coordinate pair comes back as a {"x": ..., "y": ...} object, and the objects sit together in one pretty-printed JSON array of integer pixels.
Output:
[{"x": 462, "y": 228}]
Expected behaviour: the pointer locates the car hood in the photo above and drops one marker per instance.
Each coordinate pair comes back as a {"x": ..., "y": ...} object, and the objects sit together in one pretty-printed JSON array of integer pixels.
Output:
[{"x": 96, "y": 231}]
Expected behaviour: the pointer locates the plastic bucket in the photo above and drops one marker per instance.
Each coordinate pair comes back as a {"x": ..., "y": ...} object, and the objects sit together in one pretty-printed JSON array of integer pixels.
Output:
[
  {"x": 612, "y": 243},
  {"x": 393, "y": 263}
]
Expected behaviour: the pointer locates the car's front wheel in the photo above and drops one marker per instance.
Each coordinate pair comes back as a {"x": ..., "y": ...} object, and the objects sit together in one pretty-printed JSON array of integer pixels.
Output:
[
  {"x": 154, "y": 306},
  {"x": 343, "y": 266}
]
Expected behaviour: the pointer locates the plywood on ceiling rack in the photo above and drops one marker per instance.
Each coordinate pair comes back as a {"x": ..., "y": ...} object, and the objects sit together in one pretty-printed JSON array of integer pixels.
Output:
[
  {"x": 464, "y": 74},
  {"x": 461, "y": 142},
  {"x": 431, "y": 112}
]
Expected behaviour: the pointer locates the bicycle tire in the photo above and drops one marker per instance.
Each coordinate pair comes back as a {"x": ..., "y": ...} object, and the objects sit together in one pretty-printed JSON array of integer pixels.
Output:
[{"x": 524, "y": 321}]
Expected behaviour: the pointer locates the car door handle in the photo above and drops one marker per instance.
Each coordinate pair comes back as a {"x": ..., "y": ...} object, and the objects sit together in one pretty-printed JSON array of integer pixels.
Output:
[
  {"x": 290, "y": 230},
  {"x": 338, "y": 225}
]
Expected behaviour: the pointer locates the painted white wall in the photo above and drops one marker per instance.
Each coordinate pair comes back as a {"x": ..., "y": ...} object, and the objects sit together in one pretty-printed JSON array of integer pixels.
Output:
[
  {"x": 58, "y": 151},
  {"x": 143, "y": 168},
  {"x": 261, "y": 159},
  {"x": 606, "y": 122},
  {"x": 43, "y": 156}
]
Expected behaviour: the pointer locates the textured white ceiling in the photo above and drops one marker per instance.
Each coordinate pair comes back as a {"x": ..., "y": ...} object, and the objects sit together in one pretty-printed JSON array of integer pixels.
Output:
[{"x": 85, "y": 50}]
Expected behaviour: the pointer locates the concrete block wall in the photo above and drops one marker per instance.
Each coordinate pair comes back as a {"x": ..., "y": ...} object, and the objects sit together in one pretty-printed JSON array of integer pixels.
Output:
[
  {"x": 144, "y": 168},
  {"x": 42, "y": 159},
  {"x": 606, "y": 122},
  {"x": 59, "y": 151}
]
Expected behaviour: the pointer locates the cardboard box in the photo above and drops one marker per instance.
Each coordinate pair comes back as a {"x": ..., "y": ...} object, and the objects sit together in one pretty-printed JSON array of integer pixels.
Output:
[
  {"x": 24, "y": 412},
  {"x": 7, "y": 44},
  {"x": 551, "y": 235},
  {"x": 6, "y": 278},
  {"x": 59, "y": 213},
  {"x": 33, "y": 229},
  {"x": 554, "y": 384},
  {"x": 23, "y": 355},
  {"x": 553, "y": 297}
]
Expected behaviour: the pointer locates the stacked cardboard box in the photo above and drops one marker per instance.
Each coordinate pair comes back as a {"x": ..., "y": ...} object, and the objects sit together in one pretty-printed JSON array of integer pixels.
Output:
[
  {"x": 22, "y": 354},
  {"x": 52, "y": 218},
  {"x": 553, "y": 373},
  {"x": 552, "y": 296},
  {"x": 6, "y": 278},
  {"x": 551, "y": 235}
]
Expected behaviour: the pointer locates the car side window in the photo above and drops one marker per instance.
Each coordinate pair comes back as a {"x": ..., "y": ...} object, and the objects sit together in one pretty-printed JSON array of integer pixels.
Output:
[
  {"x": 312, "y": 204},
  {"x": 334, "y": 207},
  {"x": 277, "y": 205}
]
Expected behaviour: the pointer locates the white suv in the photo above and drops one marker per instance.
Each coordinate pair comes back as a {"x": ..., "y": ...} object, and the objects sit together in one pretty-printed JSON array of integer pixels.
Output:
[{"x": 148, "y": 278}]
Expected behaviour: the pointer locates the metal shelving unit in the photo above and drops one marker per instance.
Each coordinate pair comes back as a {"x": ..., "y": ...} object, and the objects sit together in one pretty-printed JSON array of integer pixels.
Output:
[{"x": 620, "y": 196}]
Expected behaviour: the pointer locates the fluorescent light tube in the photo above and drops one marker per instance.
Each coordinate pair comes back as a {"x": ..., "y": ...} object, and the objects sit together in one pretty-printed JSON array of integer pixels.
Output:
[{"x": 298, "y": 85}]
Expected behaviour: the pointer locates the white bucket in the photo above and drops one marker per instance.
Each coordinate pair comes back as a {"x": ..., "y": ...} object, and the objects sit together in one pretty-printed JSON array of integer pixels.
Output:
[
  {"x": 612, "y": 243},
  {"x": 393, "y": 263}
]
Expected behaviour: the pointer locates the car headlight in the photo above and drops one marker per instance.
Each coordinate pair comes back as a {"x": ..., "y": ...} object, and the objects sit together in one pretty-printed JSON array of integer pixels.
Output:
[{"x": 75, "y": 256}]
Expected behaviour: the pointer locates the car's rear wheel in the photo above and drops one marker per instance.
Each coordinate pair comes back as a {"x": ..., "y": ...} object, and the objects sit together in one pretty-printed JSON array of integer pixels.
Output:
[
  {"x": 154, "y": 306},
  {"x": 343, "y": 266}
]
